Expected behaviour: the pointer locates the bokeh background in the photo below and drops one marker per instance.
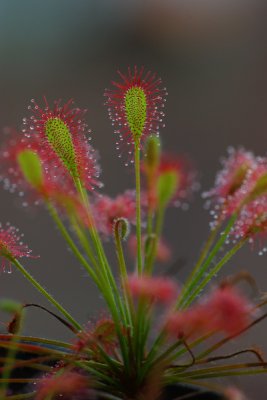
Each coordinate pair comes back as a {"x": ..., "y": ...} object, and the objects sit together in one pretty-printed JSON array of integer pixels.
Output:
[{"x": 212, "y": 57}]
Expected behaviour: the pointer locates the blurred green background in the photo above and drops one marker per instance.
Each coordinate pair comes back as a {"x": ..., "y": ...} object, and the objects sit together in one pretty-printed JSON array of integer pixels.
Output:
[{"x": 212, "y": 57}]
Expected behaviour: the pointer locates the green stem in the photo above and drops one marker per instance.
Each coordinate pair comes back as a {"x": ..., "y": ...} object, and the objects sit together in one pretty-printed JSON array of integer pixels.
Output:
[
  {"x": 84, "y": 243},
  {"x": 100, "y": 281},
  {"x": 151, "y": 361},
  {"x": 168, "y": 352},
  {"x": 138, "y": 206},
  {"x": 110, "y": 289},
  {"x": 123, "y": 276},
  {"x": 155, "y": 347},
  {"x": 40, "y": 288},
  {"x": 29, "y": 348},
  {"x": 224, "y": 369},
  {"x": 160, "y": 340},
  {"x": 158, "y": 228},
  {"x": 37, "y": 340},
  {"x": 141, "y": 321},
  {"x": 70, "y": 242},
  {"x": 120, "y": 255},
  {"x": 202, "y": 269},
  {"x": 214, "y": 271},
  {"x": 104, "y": 265},
  {"x": 193, "y": 344},
  {"x": 202, "y": 256},
  {"x": 95, "y": 374},
  {"x": 232, "y": 373}
]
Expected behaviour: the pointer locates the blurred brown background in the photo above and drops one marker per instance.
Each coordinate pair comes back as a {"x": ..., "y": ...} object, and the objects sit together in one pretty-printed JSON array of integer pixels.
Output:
[{"x": 212, "y": 57}]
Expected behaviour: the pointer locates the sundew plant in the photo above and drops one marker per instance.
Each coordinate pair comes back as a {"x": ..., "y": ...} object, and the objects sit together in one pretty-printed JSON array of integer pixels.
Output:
[{"x": 156, "y": 332}]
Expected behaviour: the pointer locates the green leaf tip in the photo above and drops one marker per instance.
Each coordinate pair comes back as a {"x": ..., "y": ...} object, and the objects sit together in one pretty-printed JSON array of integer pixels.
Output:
[
  {"x": 152, "y": 151},
  {"x": 31, "y": 167},
  {"x": 167, "y": 185},
  {"x": 9, "y": 306}
]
